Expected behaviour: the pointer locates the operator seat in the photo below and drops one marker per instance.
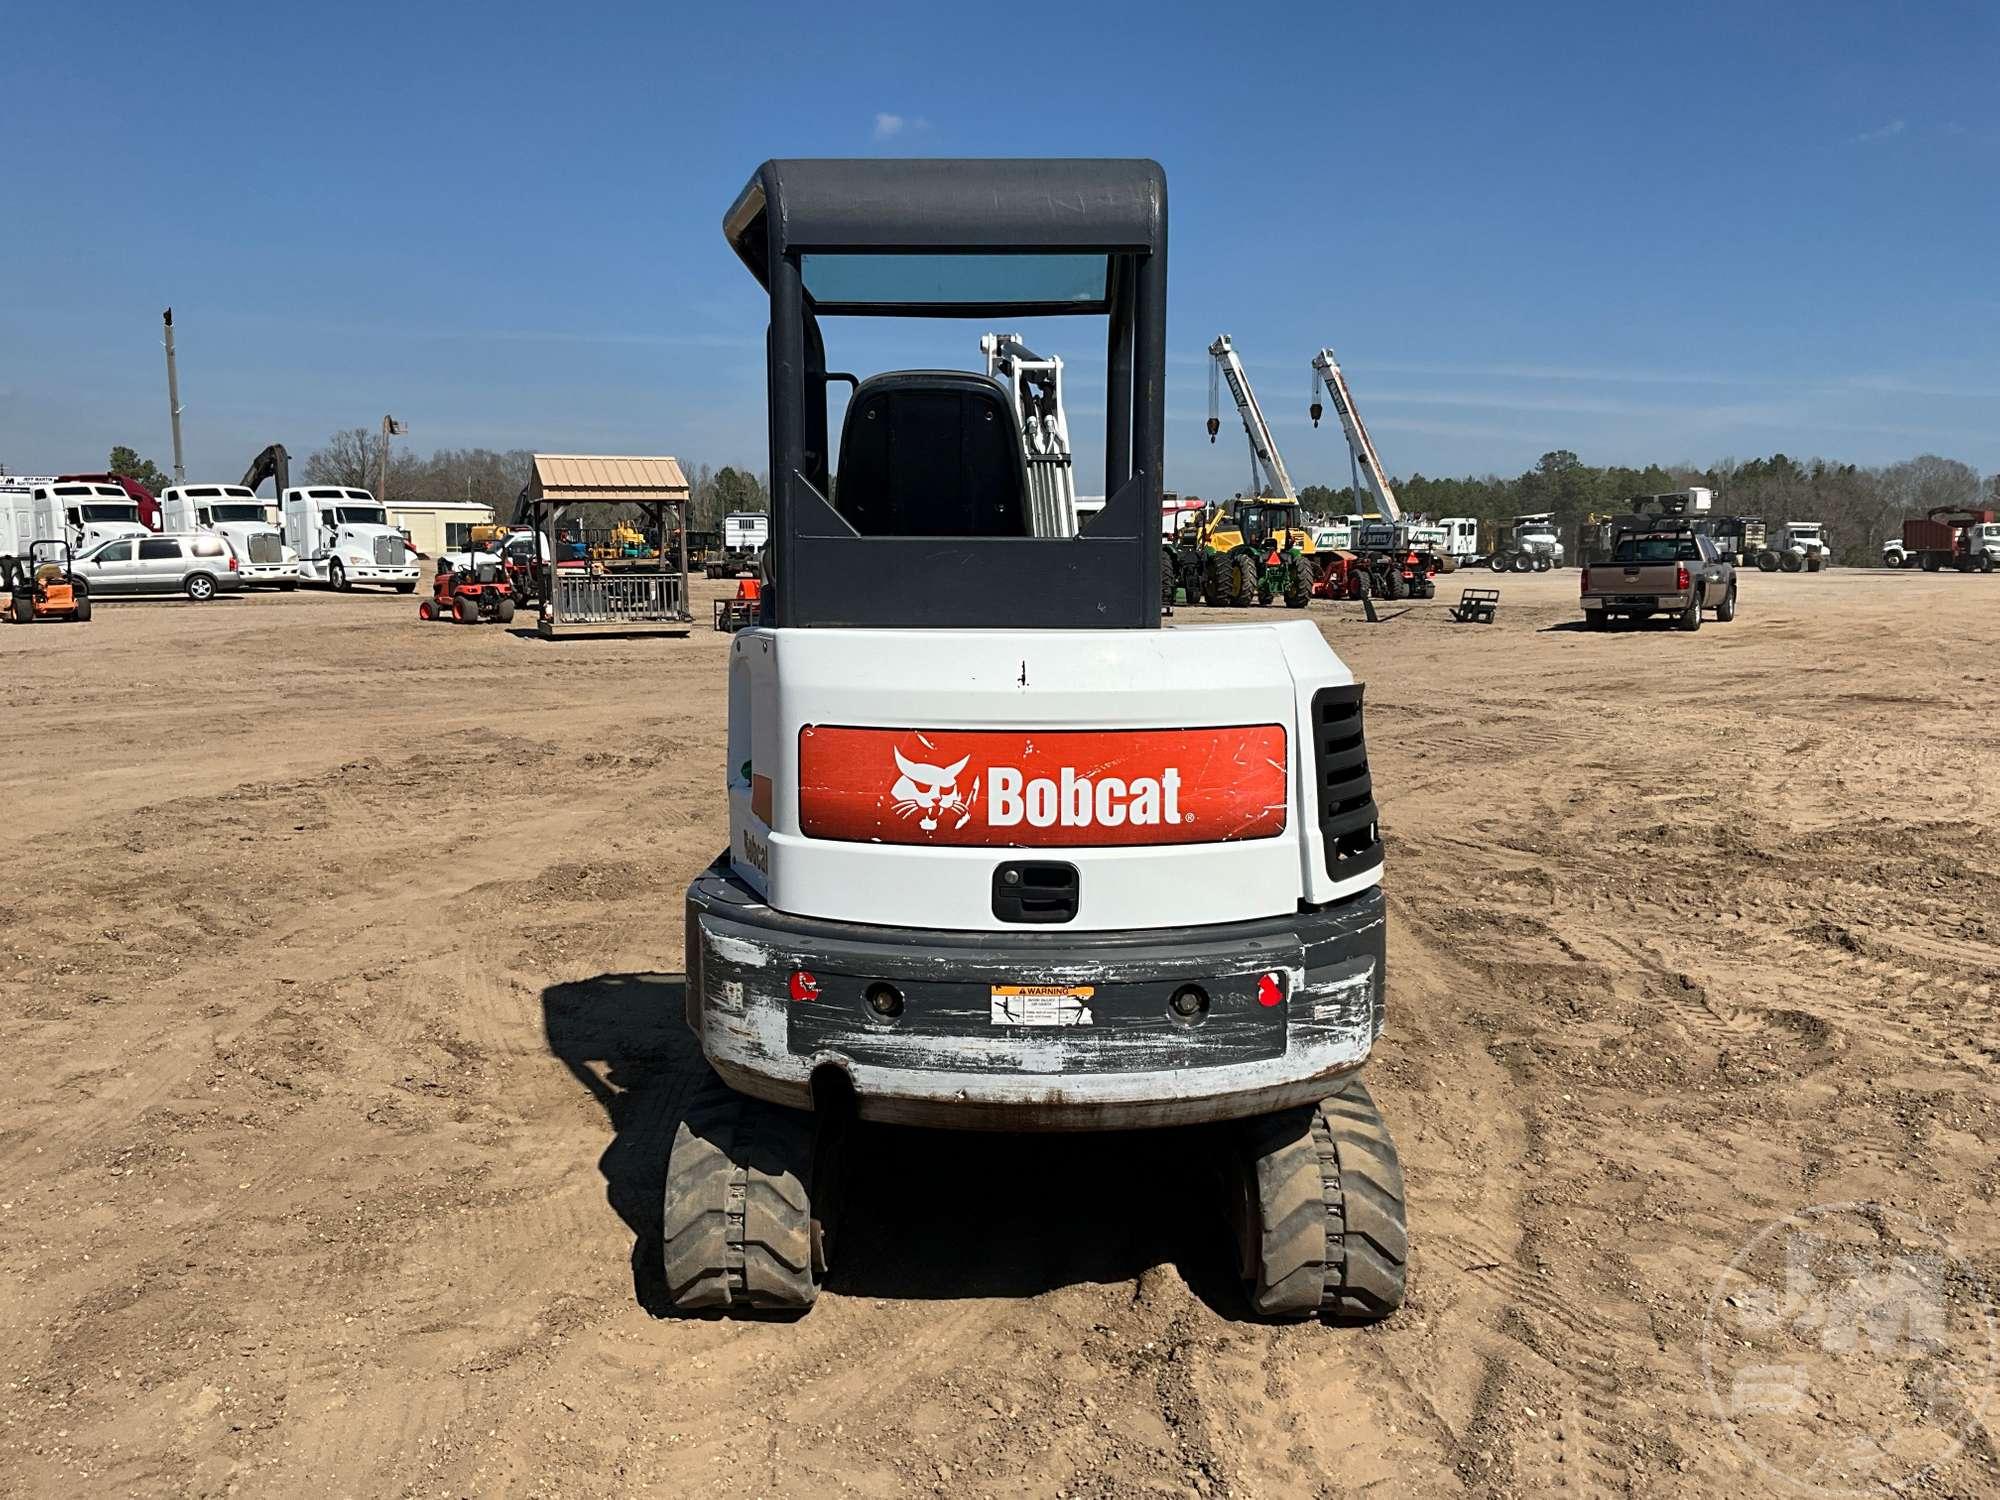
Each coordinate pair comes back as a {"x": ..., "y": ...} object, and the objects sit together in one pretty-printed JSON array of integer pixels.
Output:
[{"x": 932, "y": 453}]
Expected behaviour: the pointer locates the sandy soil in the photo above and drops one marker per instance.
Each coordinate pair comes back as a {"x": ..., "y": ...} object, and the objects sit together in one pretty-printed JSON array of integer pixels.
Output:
[{"x": 336, "y": 983}]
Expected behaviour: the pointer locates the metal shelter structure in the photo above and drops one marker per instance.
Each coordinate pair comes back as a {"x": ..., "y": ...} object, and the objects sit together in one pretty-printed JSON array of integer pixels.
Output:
[{"x": 597, "y": 576}]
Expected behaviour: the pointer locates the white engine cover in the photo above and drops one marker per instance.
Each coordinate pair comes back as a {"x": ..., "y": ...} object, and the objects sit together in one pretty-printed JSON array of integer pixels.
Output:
[{"x": 881, "y": 776}]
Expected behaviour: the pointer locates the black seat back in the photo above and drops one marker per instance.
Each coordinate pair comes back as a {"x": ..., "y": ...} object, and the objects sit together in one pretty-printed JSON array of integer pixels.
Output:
[{"x": 931, "y": 453}]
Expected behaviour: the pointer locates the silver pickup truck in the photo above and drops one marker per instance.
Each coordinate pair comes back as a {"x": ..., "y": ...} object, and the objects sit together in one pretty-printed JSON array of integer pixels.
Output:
[{"x": 1670, "y": 570}]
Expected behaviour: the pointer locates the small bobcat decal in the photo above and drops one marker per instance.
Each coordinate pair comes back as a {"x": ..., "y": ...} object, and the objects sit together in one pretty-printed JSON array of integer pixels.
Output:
[{"x": 931, "y": 791}]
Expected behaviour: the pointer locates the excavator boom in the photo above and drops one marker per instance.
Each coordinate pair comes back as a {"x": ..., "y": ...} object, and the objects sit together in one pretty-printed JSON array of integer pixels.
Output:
[{"x": 274, "y": 463}]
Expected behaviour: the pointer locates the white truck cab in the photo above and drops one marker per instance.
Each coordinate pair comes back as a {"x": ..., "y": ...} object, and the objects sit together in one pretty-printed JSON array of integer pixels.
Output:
[
  {"x": 1461, "y": 538},
  {"x": 85, "y": 514},
  {"x": 1983, "y": 543},
  {"x": 1536, "y": 536},
  {"x": 343, "y": 537},
  {"x": 1806, "y": 541},
  {"x": 238, "y": 515}
]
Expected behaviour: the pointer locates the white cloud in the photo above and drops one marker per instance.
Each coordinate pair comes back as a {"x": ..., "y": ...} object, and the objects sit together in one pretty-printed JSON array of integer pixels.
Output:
[
  {"x": 888, "y": 126},
  {"x": 1893, "y": 128}
]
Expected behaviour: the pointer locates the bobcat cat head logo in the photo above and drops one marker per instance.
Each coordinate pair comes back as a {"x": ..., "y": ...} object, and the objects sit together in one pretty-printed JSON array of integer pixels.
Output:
[{"x": 927, "y": 792}]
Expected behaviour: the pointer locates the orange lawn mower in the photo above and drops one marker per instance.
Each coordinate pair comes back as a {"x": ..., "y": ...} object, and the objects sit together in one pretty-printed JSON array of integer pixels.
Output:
[
  {"x": 44, "y": 586},
  {"x": 471, "y": 594}
]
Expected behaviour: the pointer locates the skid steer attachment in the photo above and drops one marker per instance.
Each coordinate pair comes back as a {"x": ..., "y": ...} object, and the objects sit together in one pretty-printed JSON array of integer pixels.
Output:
[{"x": 1004, "y": 853}]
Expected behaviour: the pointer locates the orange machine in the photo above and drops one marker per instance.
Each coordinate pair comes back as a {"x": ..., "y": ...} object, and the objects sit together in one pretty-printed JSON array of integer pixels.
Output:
[
  {"x": 477, "y": 592},
  {"x": 45, "y": 587}
]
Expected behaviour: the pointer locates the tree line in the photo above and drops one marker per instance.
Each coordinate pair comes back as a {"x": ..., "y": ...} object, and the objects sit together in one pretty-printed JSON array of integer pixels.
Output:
[{"x": 1860, "y": 507}]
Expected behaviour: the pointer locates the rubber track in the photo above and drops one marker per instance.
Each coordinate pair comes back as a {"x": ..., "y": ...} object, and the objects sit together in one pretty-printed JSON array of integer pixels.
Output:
[
  {"x": 1330, "y": 1188},
  {"x": 737, "y": 1228}
]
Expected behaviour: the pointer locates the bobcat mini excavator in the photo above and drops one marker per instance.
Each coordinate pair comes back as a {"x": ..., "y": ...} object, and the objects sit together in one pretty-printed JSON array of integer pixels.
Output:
[{"x": 972, "y": 781}]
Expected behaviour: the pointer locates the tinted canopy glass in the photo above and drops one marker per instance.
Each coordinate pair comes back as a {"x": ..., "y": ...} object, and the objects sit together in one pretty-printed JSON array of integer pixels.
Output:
[{"x": 963, "y": 280}]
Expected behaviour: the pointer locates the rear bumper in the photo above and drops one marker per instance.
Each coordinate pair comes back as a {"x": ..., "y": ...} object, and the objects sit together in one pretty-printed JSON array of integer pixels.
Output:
[
  {"x": 947, "y": 1061},
  {"x": 1634, "y": 604}
]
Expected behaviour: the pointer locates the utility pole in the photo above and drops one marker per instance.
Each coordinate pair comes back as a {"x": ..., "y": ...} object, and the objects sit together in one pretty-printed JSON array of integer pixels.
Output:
[
  {"x": 390, "y": 428},
  {"x": 174, "y": 397}
]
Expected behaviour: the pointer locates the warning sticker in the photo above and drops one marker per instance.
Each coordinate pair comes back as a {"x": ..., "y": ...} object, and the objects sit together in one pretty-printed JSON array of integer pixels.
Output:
[{"x": 1042, "y": 1004}]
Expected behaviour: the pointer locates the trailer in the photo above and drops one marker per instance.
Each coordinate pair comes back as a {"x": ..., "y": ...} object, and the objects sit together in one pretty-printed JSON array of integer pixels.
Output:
[
  {"x": 17, "y": 518},
  {"x": 744, "y": 535}
]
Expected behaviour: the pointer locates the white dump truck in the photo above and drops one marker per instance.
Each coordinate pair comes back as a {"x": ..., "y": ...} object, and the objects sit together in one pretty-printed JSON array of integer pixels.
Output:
[
  {"x": 85, "y": 514},
  {"x": 1801, "y": 546},
  {"x": 237, "y": 514},
  {"x": 343, "y": 537},
  {"x": 1528, "y": 545}
]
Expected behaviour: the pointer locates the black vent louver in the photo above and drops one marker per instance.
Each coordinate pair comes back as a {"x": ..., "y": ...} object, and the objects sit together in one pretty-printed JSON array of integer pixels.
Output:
[{"x": 1347, "y": 819}]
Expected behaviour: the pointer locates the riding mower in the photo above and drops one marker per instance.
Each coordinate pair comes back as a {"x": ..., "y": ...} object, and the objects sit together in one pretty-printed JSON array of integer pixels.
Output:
[
  {"x": 971, "y": 784},
  {"x": 471, "y": 594},
  {"x": 45, "y": 586}
]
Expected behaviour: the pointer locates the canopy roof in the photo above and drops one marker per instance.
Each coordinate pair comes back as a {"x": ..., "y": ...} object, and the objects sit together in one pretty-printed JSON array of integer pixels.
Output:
[
  {"x": 563, "y": 477},
  {"x": 1025, "y": 235}
]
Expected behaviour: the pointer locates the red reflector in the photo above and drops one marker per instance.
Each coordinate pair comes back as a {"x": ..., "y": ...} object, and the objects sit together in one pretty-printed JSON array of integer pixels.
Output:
[
  {"x": 804, "y": 986},
  {"x": 1270, "y": 989}
]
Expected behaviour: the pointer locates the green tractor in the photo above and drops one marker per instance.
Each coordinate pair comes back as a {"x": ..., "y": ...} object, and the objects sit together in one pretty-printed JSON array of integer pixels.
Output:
[{"x": 1242, "y": 552}]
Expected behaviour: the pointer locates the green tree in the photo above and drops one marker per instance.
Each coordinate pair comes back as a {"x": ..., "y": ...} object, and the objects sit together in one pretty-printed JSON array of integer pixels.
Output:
[
  {"x": 126, "y": 463},
  {"x": 738, "y": 490}
]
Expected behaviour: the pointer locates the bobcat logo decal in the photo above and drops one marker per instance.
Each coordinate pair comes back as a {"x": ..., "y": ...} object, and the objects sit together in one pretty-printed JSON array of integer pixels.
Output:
[{"x": 930, "y": 792}]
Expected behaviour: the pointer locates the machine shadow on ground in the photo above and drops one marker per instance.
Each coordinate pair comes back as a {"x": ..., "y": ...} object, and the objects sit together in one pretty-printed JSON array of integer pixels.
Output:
[{"x": 928, "y": 1214}]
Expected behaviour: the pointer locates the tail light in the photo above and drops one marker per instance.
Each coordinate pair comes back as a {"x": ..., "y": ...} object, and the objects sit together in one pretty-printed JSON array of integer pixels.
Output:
[
  {"x": 1583, "y": 581},
  {"x": 1681, "y": 578}
]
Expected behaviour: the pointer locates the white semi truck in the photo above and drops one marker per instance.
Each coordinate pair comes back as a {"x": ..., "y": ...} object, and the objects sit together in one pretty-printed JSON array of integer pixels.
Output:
[
  {"x": 237, "y": 514},
  {"x": 85, "y": 514},
  {"x": 343, "y": 537}
]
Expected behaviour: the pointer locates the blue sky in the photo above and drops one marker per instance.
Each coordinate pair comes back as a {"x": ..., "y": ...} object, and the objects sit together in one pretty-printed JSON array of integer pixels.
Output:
[{"x": 1672, "y": 233}]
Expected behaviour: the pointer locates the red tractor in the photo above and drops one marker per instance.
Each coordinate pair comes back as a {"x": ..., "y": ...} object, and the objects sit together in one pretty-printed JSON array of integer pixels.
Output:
[
  {"x": 1406, "y": 573},
  {"x": 471, "y": 594}
]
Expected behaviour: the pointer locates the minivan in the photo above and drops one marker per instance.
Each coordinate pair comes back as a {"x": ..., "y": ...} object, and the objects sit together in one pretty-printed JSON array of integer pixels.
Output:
[{"x": 198, "y": 564}]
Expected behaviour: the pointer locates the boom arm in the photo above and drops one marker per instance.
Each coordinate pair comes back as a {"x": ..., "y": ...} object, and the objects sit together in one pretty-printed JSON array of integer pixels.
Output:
[
  {"x": 1034, "y": 388},
  {"x": 1358, "y": 442},
  {"x": 1262, "y": 446},
  {"x": 273, "y": 463}
]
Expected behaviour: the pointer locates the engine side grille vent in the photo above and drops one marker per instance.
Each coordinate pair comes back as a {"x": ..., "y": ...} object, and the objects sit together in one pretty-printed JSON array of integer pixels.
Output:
[{"x": 1347, "y": 819}]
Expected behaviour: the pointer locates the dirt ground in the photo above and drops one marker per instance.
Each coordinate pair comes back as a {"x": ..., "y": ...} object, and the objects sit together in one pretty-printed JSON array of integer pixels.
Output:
[{"x": 337, "y": 975}]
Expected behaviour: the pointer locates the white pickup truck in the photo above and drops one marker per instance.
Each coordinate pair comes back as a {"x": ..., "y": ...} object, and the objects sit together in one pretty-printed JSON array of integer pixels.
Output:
[{"x": 262, "y": 558}]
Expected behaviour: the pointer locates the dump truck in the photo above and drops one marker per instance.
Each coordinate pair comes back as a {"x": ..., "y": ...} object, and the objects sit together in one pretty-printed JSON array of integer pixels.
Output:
[{"x": 1947, "y": 536}]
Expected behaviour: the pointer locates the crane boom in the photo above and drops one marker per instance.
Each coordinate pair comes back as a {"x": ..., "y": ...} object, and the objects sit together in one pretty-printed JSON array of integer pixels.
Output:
[
  {"x": 1034, "y": 388},
  {"x": 1263, "y": 448},
  {"x": 1359, "y": 443}
]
